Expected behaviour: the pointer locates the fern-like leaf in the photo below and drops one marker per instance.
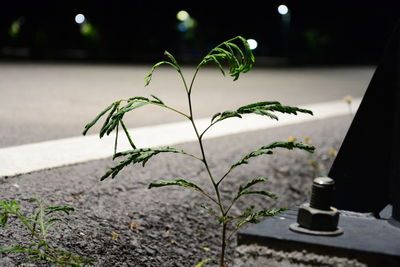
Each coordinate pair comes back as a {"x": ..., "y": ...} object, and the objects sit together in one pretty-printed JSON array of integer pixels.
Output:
[
  {"x": 239, "y": 60},
  {"x": 251, "y": 183},
  {"x": 177, "y": 182},
  {"x": 134, "y": 156}
]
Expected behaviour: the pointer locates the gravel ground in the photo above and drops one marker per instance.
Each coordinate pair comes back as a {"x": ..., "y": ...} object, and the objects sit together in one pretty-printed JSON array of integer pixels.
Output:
[{"x": 165, "y": 226}]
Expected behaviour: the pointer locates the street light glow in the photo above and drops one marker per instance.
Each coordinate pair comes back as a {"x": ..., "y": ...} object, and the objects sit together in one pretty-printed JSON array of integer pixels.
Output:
[
  {"x": 283, "y": 10},
  {"x": 80, "y": 18},
  {"x": 182, "y": 15},
  {"x": 252, "y": 44}
]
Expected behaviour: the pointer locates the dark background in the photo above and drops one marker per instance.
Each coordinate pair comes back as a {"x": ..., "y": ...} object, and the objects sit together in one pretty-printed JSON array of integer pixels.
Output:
[{"x": 320, "y": 32}]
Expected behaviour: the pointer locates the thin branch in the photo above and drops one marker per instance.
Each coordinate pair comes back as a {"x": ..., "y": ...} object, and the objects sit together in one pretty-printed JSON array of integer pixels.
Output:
[
  {"x": 170, "y": 108},
  {"x": 210, "y": 197},
  {"x": 226, "y": 174},
  {"x": 194, "y": 77},
  {"x": 209, "y": 126},
  {"x": 230, "y": 205},
  {"x": 191, "y": 155}
]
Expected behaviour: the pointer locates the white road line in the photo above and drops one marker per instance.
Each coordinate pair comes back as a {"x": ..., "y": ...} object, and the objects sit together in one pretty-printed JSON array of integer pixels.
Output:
[{"x": 38, "y": 156}]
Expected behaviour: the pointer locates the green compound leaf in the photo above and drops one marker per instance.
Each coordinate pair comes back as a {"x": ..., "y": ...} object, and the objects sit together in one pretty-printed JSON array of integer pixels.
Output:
[
  {"x": 157, "y": 99},
  {"x": 239, "y": 60},
  {"x": 177, "y": 182},
  {"x": 138, "y": 98},
  {"x": 17, "y": 249},
  {"x": 7, "y": 208},
  {"x": 264, "y": 193},
  {"x": 134, "y": 156},
  {"x": 65, "y": 209},
  {"x": 173, "y": 64},
  {"x": 225, "y": 115},
  {"x": 116, "y": 113},
  {"x": 216, "y": 115},
  {"x": 104, "y": 127},
  {"x": 90, "y": 124},
  {"x": 257, "y": 105},
  {"x": 290, "y": 146},
  {"x": 268, "y": 150},
  {"x": 255, "y": 217},
  {"x": 245, "y": 159},
  {"x": 149, "y": 76},
  {"x": 247, "y": 212},
  {"x": 265, "y": 108},
  {"x": 171, "y": 57},
  {"x": 215, "y": 59},
  {"x": 251, "y": 183}
]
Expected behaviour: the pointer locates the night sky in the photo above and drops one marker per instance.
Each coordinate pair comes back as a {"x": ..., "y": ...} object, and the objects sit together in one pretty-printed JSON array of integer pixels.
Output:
[{"x": 320, "y": 32}]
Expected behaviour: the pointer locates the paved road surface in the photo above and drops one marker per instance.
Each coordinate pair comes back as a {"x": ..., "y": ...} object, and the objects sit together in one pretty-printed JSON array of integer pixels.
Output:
[{"x": 41, "y": 102}]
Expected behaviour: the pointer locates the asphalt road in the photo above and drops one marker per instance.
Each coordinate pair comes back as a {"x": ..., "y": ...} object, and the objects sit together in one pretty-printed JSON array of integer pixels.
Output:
[
  {"x": 41, "y": 102},
  {"x": 172, "y": 213}
]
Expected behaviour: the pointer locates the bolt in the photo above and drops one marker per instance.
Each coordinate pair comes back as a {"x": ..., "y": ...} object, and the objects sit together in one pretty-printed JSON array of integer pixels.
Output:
[
  {"x": 321, "y": 194},
  {"x": 318, "y": 217}
]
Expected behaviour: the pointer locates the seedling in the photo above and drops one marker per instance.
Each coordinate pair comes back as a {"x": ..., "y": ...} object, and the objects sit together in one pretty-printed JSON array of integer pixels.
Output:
[
  {"x": 236, "y": 54},
  {"x": 38, "y": 226}
]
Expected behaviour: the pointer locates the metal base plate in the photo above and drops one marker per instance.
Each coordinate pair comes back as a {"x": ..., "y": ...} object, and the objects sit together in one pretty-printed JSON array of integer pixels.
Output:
[{"x": 370, "y": 240}]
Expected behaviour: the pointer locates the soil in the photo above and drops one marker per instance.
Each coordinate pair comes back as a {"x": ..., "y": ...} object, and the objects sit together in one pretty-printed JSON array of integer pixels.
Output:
[{"x": 122, "y": 223}]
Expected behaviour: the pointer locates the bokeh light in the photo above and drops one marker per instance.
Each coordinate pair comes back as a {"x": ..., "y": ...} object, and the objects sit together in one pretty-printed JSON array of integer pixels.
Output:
[
  {"x": 15, "y": 28},
  {"x": 80, "y": 18},
  {"x": 252, "y": 43},
  {"x": 182, "y": 15},
  {"x": 283, "y": 10}
]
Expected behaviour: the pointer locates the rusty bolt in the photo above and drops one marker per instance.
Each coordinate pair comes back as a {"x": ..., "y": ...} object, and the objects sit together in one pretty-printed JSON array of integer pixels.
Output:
[{"x": 318, "y": 217}]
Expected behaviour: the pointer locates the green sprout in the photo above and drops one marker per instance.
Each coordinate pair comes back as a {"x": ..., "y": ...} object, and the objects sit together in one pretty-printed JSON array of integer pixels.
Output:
[
  {"x": 38, "y": 225},
  {"x": 237, "y": 56}
]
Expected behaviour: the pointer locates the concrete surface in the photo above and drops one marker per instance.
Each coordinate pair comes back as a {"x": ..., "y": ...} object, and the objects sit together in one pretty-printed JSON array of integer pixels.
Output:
[{"x": 50, "y": 101}]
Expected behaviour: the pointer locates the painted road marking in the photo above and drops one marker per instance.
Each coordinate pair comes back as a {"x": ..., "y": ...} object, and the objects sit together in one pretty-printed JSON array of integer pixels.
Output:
[{"x": 50, "y": 154}]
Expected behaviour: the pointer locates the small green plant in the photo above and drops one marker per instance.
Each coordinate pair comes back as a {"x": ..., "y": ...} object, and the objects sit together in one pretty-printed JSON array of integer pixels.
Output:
[
  {"x": 38, "y": 226},
  {"x": 236, "y": 54}
]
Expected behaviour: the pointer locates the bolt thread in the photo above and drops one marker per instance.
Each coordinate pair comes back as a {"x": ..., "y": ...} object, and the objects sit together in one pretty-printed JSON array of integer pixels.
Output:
[{"x": 321, "y": 194}]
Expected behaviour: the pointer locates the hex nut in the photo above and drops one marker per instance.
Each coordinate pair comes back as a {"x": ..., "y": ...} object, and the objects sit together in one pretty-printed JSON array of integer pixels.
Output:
[{"x": 319, "y": 220}]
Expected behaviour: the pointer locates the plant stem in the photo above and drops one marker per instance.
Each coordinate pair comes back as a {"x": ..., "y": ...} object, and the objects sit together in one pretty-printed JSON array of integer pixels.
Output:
[
  {"x": 204, "y": 155},
  {"x": 27, "y": 225},
  {"x": 173, "y": 109},
  {"x": 194, "y": 77},
  {"x": 223, "y": 246},
  {"x": 199, "y": 137},
  {"x": 42, "y": 226}
]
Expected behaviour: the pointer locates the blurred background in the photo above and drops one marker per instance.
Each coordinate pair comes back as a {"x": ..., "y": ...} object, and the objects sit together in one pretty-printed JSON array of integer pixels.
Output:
[
  {"x": 289, "y": 32},
  {"x": 61, "y": 62}
]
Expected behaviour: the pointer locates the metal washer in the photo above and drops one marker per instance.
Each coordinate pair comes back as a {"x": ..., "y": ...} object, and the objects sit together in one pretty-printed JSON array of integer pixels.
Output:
[{"x": 297, "y": 228}]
